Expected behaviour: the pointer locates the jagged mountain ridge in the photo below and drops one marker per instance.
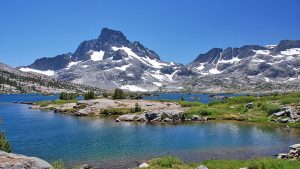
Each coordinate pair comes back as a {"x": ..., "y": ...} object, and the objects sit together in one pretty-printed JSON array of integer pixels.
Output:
[
  {"x": 269, "y": 63},
  {"x": 112, "y": 61}
]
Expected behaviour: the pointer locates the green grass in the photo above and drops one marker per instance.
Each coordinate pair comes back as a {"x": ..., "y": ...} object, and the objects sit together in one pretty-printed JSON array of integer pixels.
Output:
[
  {"x": 55, "y": 102},
  {"x": 290, "y": 100},
  {"x": 241, "y": 100},
  {"x": 189, "y": 104},
  {"x": 202, "y": 111},
  {"x": 259, "y": 163},
  {"x": 235, "y": 108}
]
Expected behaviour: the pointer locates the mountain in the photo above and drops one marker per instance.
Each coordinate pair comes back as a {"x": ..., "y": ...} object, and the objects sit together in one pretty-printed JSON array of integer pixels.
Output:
[
  {"x": 273, "y": 63},
  {"x": 112, "y": 61},
  {"x": 15, "y": 81}
]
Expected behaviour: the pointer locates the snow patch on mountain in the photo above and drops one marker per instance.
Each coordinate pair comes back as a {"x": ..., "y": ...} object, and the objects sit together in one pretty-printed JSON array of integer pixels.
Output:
[
  {"x": 157, "y": 84},
  {"x": 46, "y": 72},
  {"x": 214, "y": 71},
  {"x": 97, "y": 55},
  {"x": 200, "y": 67},
  {"x": 133, "y": 88},
  {"x": 262, "y": 52},
  {"x": 233, "y": 60},
  {"x": 72, "y": 64},
  {"x": 292, "y": 51},
  {"x": 123, "y": 68},
  {"x": 147, "y": 61}
]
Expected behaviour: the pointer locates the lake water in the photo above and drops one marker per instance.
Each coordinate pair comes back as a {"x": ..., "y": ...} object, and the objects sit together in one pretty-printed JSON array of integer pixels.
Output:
[{"x": 107, "y": 144}]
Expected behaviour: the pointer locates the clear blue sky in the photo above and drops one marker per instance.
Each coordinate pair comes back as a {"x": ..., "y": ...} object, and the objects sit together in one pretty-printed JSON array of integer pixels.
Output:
[{"x": 178, "y": 30}]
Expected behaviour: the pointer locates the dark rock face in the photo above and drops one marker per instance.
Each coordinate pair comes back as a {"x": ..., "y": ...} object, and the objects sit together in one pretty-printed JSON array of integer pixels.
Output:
[
  {"x": 140, "y": 50},
  {"x": 167, "y": 70},
  {"x": 210, "y": 56},
  {"x": 55, "y": 63},
  {"x": 109, "y": 38},
  {"x": 284, "y": 45}
]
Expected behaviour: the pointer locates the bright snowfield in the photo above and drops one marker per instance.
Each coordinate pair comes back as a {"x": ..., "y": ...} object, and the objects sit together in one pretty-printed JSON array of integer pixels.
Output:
[
  {"x": 46, "y": 72},
  {"x": 292, "y": 51},
  {"x": 150, "y": 62},
  {"x": 97, "y": 56},
  {"x": 72, "y": 64},
  {"x": 133, "y": 88}
]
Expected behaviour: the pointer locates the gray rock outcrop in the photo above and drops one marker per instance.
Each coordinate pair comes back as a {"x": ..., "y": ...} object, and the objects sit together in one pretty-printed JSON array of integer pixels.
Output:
[{"x": 17, "y": 161}]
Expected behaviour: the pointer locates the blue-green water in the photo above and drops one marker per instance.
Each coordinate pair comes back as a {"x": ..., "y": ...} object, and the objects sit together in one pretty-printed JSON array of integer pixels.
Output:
[{"x": 108, "y": 144}]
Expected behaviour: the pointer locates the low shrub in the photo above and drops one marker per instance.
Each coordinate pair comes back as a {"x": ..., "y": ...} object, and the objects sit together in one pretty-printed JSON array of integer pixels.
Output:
[
  {"x": 58, "y": 165},
  {"x": 166, "y": 162},
  {"x": 4, "y": 145},
  {"x": 116, "y": 111},
  {"x": 137, "y": 108},
  {"x": 270, "y": 108}
]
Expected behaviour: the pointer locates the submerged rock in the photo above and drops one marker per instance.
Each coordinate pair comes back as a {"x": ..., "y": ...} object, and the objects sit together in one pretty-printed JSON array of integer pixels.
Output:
[
  {"x": 201, "y": 167},
  {"x": 17, "y": 161},
  {"x": 86, "y": 166},
  {"x": 144, "y": 165}
]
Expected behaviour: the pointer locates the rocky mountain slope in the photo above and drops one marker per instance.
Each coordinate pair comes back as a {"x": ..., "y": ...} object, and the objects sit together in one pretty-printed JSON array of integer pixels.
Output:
[
  {"x": 274, "y": 63},
  {"x": 15, "y": 81},
  {"x": 112, "y": 61}
]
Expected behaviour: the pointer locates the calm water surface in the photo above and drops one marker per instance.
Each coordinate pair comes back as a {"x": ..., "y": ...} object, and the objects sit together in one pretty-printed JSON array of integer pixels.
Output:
[{"x": 108, "y": 144}]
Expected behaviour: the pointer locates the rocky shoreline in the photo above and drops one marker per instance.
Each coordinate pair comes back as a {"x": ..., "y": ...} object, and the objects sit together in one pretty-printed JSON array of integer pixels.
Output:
[{"x": 160, "y": 116}]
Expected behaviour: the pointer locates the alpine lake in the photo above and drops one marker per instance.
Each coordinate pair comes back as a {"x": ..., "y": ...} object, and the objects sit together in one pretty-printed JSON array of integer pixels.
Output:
[{"x": 106, "y": 144}]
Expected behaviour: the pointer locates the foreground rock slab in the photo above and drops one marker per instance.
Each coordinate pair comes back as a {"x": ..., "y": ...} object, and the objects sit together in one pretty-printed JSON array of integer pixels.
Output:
[
  {"x": 17, "y": 161},
  {"x": 293, "y": 154}
]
